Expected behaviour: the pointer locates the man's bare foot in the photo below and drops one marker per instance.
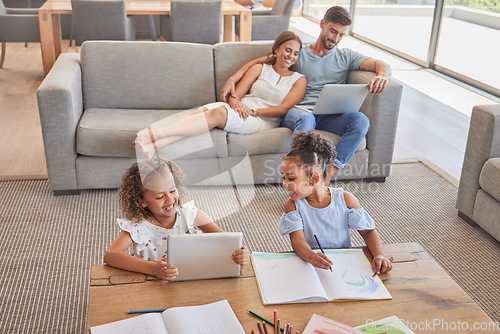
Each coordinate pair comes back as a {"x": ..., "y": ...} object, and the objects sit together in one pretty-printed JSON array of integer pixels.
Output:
[{"x": 146, "y": 150}]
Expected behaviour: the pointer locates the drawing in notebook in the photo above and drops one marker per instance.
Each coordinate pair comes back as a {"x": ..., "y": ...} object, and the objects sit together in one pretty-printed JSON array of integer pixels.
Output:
[
  {"x": 321, "y": 325},
  {"x": 214, "y": 318},
  {"x": 390, "y": 325},
  {"x": 286, "y": 278}
]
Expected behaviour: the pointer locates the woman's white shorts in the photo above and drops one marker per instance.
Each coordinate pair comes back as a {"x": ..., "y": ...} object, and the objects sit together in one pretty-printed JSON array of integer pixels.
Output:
[{"x": 236, "y": 124}]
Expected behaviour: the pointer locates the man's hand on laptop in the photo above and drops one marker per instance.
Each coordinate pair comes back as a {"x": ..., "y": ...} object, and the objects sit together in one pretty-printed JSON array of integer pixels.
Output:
[{"x": 377, "y": 84}]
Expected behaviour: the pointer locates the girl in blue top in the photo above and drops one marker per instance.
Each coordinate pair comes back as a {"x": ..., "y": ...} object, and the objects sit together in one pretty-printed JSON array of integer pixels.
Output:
[{"x": 313, "y": 209}]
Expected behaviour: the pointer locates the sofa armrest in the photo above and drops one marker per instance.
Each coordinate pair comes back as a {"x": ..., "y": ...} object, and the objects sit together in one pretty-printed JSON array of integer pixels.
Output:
[
  {"x": 483, "y": 143},
  {"x": 60, "y": 106},
  {"x": 382, "y": 110}
]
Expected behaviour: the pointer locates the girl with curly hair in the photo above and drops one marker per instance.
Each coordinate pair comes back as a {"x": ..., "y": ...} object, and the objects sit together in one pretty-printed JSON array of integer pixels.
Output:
[
  {"x": 316, "y": 211},
  {"x": 152, "y": 197}
]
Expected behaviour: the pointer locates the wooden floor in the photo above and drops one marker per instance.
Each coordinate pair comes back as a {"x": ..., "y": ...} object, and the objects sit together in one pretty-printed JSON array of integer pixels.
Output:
[{"x": 427, "y": 128}]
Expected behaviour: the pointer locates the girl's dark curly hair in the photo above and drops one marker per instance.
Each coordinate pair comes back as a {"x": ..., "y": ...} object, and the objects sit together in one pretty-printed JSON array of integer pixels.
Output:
[
  {"x": 132, "y": 186},
  {"x": 313, "y": 149}
]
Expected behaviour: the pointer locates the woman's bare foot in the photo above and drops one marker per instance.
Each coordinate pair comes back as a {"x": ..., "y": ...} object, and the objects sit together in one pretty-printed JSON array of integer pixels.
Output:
[
  {"x": 145, "y": 136},
  {"x": 146, "y": 150}
]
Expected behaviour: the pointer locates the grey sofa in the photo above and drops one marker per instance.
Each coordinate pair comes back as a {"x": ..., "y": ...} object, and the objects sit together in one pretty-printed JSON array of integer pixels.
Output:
[
  {"x": 478, "y": 200},
  {"x": 92, "y": 104}
]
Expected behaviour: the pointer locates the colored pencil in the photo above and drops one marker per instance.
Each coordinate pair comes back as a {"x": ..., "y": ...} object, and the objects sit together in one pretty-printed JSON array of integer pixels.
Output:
[
  {"x": 275, "y": 322},
  {"x": 260, "y": 328},
  {"x": 322, "y": 251},
  {"x": 265, "y": 327},
  {"x": 147, "y": 311},
  {"x": 262, "y": 318},
  {"x": 279, "y": 328}
]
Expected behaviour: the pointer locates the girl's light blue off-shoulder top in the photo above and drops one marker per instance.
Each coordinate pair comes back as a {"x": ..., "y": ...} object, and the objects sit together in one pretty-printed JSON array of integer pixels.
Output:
[{"x": 331, "y": 224}]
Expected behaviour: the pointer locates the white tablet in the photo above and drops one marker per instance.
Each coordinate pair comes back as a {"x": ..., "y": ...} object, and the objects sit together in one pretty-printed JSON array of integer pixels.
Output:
[
  {"x": 338, "y": 99},
  {"x": 204, "y": 255}
]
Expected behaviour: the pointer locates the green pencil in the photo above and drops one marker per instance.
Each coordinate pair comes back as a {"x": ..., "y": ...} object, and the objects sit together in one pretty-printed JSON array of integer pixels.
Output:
[{"x": 262, "y": 318}]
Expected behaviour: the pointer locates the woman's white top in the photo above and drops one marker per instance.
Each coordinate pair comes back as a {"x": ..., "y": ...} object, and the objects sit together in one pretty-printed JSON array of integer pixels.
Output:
[
  {"x": 269, "y": 90},
  {"x": 150, "y": 241}
]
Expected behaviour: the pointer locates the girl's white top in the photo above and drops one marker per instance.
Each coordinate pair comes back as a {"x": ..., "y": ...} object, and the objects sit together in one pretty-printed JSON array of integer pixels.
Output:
[{"x": 150, "y": 241}]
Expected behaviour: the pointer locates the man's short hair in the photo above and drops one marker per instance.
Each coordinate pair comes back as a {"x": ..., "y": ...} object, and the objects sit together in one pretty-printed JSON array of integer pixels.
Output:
[{"x": 337, "y": 14}]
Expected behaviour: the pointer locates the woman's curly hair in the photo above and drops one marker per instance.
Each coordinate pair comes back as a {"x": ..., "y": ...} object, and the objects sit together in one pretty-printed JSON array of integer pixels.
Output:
[
  {"x": 313, "y": 149},
  {"x": 132, "y": 186}
]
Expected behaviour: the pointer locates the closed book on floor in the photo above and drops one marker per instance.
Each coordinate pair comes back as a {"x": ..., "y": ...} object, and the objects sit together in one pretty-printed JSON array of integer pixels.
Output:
[{"x": 286, "y": 278}]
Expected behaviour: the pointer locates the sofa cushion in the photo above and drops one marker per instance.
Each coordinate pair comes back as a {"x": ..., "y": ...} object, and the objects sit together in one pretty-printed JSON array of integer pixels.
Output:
[
  {"x": 489, "y": 179},
  {"x": 110, "y": 132},
  {"x": 149, "y": 75},
  {"x": 230, "y": 56},
  {"x": 272, "y": 141}
]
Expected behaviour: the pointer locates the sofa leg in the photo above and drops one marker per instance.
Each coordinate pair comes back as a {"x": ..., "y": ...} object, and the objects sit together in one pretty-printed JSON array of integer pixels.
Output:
[
  {"x": 467, "y": 219},
  {"x": 66, "y": 192},
  {"x": 374, "y": 179}
]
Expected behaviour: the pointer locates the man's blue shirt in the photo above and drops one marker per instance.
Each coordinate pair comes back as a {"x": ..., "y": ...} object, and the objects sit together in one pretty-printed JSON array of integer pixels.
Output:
[{"x": 329, "y": 69}]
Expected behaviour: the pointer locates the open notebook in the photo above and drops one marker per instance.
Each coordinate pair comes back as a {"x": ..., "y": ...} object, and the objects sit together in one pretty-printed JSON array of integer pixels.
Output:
[
  {"x": 286, "y": 278},
  {"x": 216, "y": 317}
]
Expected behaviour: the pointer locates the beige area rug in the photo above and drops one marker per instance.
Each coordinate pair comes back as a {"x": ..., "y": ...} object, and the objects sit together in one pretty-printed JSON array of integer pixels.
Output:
[{"x": 50, "y": 243}]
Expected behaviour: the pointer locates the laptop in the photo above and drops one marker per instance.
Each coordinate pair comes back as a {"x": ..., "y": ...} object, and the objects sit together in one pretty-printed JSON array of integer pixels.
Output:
[
  {"x": 204, "y": 255},
  {"x": 338, "y": 99}
]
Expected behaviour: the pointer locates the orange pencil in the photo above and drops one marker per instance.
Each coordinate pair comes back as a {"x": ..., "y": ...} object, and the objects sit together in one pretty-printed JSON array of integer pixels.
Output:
[{"x": 265, "y": 327}]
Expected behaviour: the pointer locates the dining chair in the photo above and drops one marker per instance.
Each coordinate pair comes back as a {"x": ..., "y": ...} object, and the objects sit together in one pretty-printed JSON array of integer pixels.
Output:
[
  {"x": 101, "y": 20},
  {"x": 17, "y": 25},
  {"x": 266, "y": 25},
  {"x": 193, "y": 21}
]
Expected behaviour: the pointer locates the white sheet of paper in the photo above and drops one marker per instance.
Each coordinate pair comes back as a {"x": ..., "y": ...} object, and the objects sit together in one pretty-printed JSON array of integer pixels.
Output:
[
  {"x": 142, "y": 324},
  {"x": 352, "y": 276},
  {"x": 214, "y": 318},
  {"x": 282, "y": 277}
]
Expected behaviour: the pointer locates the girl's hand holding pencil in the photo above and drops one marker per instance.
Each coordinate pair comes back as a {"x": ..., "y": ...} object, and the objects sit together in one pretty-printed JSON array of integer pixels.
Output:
[
  {"x": 320, "y": 260},
  {"x": 381, "y": 264}
]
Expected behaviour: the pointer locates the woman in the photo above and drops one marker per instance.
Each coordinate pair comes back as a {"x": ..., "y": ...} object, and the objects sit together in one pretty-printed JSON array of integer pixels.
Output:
[{"x": 274, "y": 89}]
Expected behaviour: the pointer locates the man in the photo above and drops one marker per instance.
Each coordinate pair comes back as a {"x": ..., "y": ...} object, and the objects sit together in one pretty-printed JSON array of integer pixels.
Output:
[{"x": 324, "y": 63}]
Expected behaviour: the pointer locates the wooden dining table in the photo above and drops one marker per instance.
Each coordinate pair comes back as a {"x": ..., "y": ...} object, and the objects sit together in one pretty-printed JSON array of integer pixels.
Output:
[{"x": 50, "y": 22}]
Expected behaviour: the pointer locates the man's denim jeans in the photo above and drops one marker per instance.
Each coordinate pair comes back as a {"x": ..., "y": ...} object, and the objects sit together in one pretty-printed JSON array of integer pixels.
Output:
[{"x": 352, "y": 127}]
